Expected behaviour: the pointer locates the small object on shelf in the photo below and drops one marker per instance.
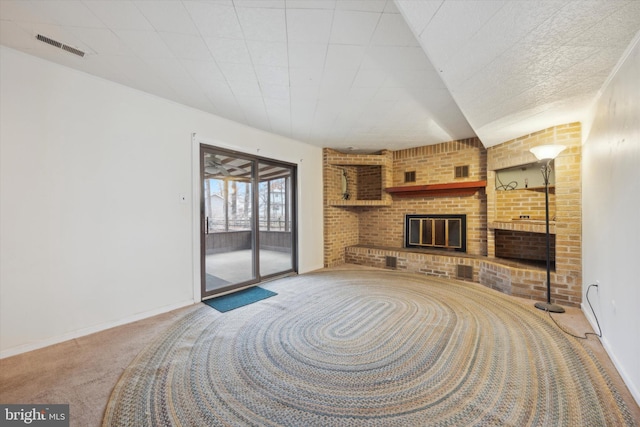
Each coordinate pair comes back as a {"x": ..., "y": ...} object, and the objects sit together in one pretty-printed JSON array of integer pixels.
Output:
[{"x": 345, "y": 187}]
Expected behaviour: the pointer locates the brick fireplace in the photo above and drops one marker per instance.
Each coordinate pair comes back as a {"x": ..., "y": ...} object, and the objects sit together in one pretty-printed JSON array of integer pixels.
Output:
[{"x": 503, "y": 251}]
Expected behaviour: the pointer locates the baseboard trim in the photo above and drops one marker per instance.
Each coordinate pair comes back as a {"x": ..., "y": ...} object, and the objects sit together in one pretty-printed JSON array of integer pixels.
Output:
[
  {"x": 633, "y": 389},
  {"x": 14, "y": 351}
]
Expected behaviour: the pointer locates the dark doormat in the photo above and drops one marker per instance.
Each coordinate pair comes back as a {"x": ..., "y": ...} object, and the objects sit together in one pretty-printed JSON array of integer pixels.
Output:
[{"x": 239, "y": 299}]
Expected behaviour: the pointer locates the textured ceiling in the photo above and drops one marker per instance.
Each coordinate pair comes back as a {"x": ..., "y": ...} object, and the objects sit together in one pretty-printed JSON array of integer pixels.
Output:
[
  {"x": 516, "y": 67},
  {"x": 367, "y": 74}
]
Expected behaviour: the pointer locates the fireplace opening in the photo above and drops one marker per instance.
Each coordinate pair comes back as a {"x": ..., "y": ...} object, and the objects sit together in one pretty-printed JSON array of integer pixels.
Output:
[
  {"x": 446, "y": 232},
  {"x": 525, "y": 247}
]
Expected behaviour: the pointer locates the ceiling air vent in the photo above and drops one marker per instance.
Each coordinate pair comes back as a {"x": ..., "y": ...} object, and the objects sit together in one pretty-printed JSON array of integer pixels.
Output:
[
  {"x": 49, "y": 41},
  {"x": 59, "y": 45}
]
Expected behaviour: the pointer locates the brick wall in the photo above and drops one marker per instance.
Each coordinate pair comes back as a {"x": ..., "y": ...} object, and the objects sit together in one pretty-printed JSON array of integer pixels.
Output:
[
  {"x": 435, "y": 164},
  {"x": 511, "y": 204},
  {"x": 564, "y": 206},
  {"x": 369, "y": 183},
  {"x": 365, "y": 174},
  {"x": 345, "y": 220}
]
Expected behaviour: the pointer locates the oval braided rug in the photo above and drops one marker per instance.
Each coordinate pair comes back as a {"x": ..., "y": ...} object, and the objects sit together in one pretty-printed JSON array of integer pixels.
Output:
[{"x": 374, "y": 348}]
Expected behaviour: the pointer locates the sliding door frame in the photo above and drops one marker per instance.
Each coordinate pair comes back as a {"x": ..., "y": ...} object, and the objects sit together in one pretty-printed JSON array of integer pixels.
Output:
[{"x": 256, "y": 161}]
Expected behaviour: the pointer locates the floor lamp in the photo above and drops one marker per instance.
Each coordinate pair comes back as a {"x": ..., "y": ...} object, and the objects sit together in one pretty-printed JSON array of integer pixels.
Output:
[{"x": 546, "y": 153}]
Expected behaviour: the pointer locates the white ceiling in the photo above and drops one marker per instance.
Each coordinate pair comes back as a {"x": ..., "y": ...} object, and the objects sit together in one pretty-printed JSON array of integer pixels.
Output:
[{"x": 346, "y": 73}]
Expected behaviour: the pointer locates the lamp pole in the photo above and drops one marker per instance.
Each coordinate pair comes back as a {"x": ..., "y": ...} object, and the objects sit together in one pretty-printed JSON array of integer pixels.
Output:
[{"x": 547, "y": 153}]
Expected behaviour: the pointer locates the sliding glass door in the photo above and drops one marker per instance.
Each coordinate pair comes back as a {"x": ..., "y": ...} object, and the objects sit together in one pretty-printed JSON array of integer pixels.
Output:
[
  {"x": 275, "y": 212},
  {"x": 248, "y": 219}
]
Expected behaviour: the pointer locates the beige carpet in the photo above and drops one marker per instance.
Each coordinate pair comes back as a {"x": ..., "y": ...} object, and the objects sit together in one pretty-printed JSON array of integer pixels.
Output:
[
  {"x": 81, "y": 372},
  {"x": 368, "y": 349}
]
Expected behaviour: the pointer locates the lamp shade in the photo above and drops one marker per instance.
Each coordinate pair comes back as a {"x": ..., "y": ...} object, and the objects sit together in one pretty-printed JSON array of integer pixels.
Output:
[{"x": 547, "y": 152}]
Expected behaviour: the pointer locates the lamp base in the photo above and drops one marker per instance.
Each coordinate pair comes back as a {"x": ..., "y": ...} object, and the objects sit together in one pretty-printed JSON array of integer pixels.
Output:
[{"x": 553, "y": 308}]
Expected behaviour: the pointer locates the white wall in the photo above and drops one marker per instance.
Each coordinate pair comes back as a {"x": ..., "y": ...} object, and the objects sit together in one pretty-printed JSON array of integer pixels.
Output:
[
  {"x": 611, "y": 216},
  {"x": 92, "y": 232}
]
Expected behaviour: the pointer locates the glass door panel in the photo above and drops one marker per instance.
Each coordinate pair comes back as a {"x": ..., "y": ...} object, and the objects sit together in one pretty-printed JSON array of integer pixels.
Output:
[
  {"x": 276, "y": 220},
  {"x": 229, "y": 255},
  {"x": 440, "y": 233},
  {"x": 427, "y": 233}
]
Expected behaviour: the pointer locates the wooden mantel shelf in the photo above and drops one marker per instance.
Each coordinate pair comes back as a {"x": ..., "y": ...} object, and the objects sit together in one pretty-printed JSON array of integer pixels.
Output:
[{"x": 466, "y": 188}]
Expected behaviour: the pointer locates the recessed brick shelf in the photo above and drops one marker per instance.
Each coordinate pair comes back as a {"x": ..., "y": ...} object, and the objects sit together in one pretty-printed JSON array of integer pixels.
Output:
[
  {"x": 533, "y": 226},
  {"x": 467, "y": 188}
]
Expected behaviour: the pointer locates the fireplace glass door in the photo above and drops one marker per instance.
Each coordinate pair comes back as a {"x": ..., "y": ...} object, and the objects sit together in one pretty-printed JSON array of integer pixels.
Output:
[{"x": 436, "y": 231}]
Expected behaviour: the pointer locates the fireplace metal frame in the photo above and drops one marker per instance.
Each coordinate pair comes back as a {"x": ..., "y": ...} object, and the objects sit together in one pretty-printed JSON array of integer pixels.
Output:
[{"x": 409, "y": 243}]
